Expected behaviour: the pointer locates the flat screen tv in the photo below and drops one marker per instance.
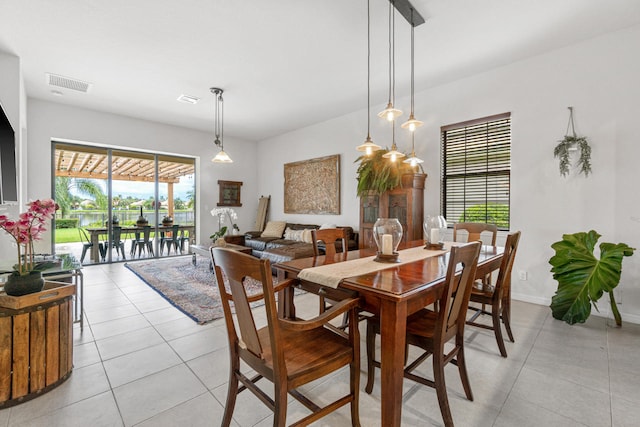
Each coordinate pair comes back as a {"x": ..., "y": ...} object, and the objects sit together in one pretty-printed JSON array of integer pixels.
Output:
[{"x": 8, "y": 175}]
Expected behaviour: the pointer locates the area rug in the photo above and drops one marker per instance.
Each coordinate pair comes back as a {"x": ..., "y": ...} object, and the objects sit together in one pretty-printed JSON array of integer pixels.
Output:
[{"x": 191, "y": 289}]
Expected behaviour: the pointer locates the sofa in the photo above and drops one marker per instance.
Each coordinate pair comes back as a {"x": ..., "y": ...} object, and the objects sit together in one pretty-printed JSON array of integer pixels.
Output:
[{"x": 281, "y": 241}]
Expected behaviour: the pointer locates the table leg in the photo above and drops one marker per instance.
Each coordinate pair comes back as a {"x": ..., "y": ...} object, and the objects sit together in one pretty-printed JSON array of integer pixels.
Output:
[
  {"x": 393, "y": 325},
  {"x": 286, "y": 307},
  {"x": 95, "y": 253}
]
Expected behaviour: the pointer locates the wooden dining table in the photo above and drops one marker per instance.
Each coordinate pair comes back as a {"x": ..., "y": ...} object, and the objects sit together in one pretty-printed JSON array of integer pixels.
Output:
[
  {"x": 392, "y": 293},
  {"x": 96, "y": 232}
]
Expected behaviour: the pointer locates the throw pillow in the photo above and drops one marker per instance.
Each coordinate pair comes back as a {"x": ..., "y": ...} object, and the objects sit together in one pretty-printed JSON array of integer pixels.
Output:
[
  {"x": 289, "y": 233},
  {"x": 307, "y": 236},
  {"x": 323, "y": 226},
  {"x": 274, "y": 229}
]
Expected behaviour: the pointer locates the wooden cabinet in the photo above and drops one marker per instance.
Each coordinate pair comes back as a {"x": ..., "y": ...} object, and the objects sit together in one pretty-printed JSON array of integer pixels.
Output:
[
  {"x": 405, "y": 203},
  {"x": 236, "y": 239}
]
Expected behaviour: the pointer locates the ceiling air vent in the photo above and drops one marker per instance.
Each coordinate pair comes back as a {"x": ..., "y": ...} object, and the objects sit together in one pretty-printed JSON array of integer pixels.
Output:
[
  {"x": 68, "y": 83},
  {"x": 188, "y": 99}
]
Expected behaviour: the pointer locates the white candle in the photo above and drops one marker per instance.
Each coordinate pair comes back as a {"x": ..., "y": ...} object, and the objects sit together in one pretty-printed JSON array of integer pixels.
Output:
[
  {"x": 435, "y": 235},
  {"x": 387, "y": 244}
]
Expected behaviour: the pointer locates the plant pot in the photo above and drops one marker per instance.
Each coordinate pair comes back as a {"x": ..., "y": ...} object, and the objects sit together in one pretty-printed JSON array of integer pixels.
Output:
[
  {"x": 142, "y": 221},
  {"x": 167, "y": 223},
  {"x": 17, "y": 285}
]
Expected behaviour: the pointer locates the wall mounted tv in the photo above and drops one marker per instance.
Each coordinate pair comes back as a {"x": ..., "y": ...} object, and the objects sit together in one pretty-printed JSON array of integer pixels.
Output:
[{"x": 8, "y": 175}]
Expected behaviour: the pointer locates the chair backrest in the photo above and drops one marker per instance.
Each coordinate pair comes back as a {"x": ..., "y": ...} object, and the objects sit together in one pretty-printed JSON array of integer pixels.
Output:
[
  {"x": 329, "y": 236},
  {"x": 117, "y": 232},
  {"x": 503, "y": 283},
  {"x": 84, "y": 236},
  {"x": 238, "y": 268},
  {"x": 454, "y": 300},
  {"x": 146, "y": 232},
  {"x": 475, "y": 230}
]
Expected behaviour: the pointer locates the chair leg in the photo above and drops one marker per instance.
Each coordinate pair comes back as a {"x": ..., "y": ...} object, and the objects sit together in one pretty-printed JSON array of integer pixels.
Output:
[
  {"x": 280, "y": 409},
  {"x": 84, "y": 252},
  {"x": 497, "y": 329},
  {"x": 462, "y": 369},
  {"x": 441, "y": 389},
  {"x": 122, "y": 250},
  {"x": 232, "y": 393},
  {"x": 371, "y": 350},
  {"x": 506, "y": 317}
]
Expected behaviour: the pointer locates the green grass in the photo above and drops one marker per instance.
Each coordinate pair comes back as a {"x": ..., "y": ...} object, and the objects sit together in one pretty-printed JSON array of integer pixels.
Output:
[{"x": 67, "y": 235}]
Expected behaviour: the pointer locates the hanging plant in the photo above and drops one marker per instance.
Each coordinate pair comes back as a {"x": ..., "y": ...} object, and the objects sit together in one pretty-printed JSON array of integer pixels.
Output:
[
  {"x": 378, "y": 174},
  {"x": 571, "y": 143}
]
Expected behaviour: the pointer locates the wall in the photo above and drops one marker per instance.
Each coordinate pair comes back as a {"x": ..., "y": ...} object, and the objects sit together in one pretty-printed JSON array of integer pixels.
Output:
[
  {"x": 49, "y": 121},
  {"x": 597, "y": 77}
]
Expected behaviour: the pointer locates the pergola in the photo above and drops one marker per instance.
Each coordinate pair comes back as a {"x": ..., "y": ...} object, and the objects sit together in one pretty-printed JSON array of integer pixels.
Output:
[{"x": 93, "y": 163}]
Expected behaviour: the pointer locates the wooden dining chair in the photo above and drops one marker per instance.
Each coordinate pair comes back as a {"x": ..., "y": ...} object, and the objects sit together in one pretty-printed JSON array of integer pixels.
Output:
[
  {"x": 477, "y": 231},
  {"x": 289, "y": 353},
  {"x": 432, "y": 329},
  {"x": 329, "y": 237},
  {"x": 497, "y": 296}
]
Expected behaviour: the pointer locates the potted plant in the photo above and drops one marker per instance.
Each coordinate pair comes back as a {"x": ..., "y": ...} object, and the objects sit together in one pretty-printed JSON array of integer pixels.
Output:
[
  {"x": 167, "y": 221},
  {"x": 377, "y": 174},
  {"x": 142, "y": 221},
  {"x": 26, "y": 276},
  {"x": 582, "y": 278},
  {"x": 573, "y": 143}
]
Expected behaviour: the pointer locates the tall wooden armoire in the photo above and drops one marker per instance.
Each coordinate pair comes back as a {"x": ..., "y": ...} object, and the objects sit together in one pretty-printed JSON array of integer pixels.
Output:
[{"x": 405, "y": 203}]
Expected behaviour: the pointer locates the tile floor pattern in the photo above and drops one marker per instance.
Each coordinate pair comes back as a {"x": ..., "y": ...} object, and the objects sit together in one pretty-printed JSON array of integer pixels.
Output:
[{"x": 140, "y": 362}]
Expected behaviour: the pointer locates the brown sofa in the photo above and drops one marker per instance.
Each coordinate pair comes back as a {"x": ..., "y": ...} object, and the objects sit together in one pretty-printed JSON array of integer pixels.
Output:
[{"x": 279, "y": 249}]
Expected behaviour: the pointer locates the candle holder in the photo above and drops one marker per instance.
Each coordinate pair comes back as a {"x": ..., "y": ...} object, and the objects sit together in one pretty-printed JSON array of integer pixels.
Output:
[
  {"x": 434, "y": 229},
  {"x": 387, "y": 232}
]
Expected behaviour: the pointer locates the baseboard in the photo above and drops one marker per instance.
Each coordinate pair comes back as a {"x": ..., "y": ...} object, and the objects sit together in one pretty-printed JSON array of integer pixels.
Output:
[{"x": 603, "y": 305}]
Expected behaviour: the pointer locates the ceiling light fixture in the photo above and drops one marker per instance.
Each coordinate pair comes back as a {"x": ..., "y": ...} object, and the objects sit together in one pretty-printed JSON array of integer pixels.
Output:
[
  {"x": 391, "y": 113},
  {"x": 413, "y": 160},
  {"x": 369, "y": 146},
  {"x": 412, "y": 123},
  {"x": 221, "y": 157},
  {"x": 394, "y": 154}
]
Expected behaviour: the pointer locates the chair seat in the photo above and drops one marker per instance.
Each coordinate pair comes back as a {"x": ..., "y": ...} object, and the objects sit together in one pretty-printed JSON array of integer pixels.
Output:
[
  {"x": 482, "y": 296},
  {"x": 306, "y": 352}
]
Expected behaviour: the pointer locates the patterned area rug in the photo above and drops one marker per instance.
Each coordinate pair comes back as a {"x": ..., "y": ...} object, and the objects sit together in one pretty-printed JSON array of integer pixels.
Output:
[{"x": 191, "y": 289}]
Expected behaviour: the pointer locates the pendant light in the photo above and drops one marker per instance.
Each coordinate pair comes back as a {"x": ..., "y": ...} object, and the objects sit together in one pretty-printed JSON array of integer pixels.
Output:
[
  {"x": 391, "y": 113},
  {"x": 412, "y": 123},
  {"x": 221, "y": 157},
  {"x": 368, "y": 147},
  {"x": 413, "y": 160},
  {"x": 394, "y": 154}
]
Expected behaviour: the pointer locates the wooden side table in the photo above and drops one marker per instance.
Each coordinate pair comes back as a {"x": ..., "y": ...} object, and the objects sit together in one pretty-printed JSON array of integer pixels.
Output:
[
  {"x": 36, "y": 342},
  {"x": 236, "y": 239}
]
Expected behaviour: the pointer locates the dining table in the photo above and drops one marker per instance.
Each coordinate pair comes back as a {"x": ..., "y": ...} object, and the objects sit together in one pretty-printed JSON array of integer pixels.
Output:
[
  {"x": 96, "y": 232},
  {"x": 391, "y": 291}
]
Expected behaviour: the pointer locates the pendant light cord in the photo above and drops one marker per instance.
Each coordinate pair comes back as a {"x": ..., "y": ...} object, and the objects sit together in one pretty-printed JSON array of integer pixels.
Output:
[
  {"x": 368, "y": 70},
  {"x": 412, "y": 56},
  {"x": 221, "y": 122},
  {"x": 393, "y": 32},
  {"x": 390, "y": 54}
]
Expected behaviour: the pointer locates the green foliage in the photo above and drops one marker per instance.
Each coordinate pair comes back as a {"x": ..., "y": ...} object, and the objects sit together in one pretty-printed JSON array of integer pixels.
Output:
[
  {"x": 215, "y": 236},
  {"x": 66, "y": 223},
  {"x": 378, "y": 174},
  {"x": 582, "y": 278},
  {"x": 490, "y": 213},
  {"x": 565, "y": 146}
]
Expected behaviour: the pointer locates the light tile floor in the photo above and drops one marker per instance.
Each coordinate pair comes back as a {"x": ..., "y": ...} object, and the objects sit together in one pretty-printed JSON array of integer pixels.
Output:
[{"x": 140, "y": 362}]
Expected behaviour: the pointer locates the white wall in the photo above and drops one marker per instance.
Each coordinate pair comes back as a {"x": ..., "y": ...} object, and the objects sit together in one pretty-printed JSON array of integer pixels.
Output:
[
  {"x": 599, "y": 78},
  {"x": 48, "y": 121}
]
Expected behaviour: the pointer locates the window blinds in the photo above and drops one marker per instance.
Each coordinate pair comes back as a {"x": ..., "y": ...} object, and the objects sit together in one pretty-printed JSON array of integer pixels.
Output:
[{"x": 476, "y": 170}]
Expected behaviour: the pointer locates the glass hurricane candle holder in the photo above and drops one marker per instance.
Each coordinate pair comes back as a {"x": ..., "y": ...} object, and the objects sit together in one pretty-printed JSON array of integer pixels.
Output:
[
  {"x": 434, "y": 229},
  {"x": 387, "y": 232}
]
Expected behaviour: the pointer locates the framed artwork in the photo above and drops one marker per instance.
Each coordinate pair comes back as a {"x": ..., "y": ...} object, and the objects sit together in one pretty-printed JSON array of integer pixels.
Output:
[
  {"x": 313, "y": 186},
  {"x": 229, "y": 193}
]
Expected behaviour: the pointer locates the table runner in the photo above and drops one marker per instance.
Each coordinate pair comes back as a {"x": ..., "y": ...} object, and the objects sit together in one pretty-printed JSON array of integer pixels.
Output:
[{"x": 332, "y": 274}]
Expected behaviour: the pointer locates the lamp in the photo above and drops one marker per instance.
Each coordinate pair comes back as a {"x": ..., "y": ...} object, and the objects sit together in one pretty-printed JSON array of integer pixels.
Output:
[
  {"x": 413, "y": 160},
  {"x": 368, "y": 147},
  {"x": 391, "y": 113},
  {"x": 412, "y": 123},
  {"x": 221, "y": 157},
  {"x": 393, "y": 154}
]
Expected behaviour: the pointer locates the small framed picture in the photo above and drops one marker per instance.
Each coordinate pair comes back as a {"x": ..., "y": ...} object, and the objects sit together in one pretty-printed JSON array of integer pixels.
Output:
[{"x": 229, "y": 193}]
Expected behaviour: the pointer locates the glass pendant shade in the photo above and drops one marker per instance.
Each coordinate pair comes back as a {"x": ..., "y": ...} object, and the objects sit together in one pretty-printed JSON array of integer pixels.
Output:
[
  {"x": 387, "y": 233},
  {"x": 222, "y": 157},
  {"x": 435, "y": 228},
  {"x": 394, "y": 154},
  {"x": 368, "y": 147},
  {"x": 390, "y": 113},
  {"x": 413, "y": 160},
  {"x": 411, "y": 124}
]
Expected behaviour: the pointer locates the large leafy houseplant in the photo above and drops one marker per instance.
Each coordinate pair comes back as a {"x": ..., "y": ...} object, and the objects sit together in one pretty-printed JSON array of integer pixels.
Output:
[
  {"x": 377, "y": 174},
  {"x": 582, "y": 278}
]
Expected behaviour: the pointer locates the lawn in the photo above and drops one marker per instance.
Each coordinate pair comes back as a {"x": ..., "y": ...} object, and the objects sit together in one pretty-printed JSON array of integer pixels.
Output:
[{"x": 67, "y": 235}]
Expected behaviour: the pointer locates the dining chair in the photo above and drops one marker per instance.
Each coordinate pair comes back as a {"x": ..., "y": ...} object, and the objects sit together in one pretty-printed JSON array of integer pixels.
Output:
[
  {"x": 477, "y": 231},
  {"x": 87, "y": 244},
  {"x": 289, "y": 353},
  {"x": 170, "y": 238},
  {"x": 432, "y": 329},
  {"x": 184, "y": 238},
  {"x": 115, "y": 242},
  {"x": 497, "y": 296},
  {"x": 144, "y": 242}
]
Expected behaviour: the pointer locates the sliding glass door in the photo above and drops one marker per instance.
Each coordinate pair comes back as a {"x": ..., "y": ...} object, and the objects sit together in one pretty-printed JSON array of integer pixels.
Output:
[{"x": 109, "y": 196}]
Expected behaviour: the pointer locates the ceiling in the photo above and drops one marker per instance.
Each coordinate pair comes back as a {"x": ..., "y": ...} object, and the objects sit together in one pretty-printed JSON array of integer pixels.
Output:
[{"x": 283, "y": 64}]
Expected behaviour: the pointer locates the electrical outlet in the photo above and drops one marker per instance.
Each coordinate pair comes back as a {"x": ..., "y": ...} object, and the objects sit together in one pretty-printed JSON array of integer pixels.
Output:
[{"x": 522, "y": 275}]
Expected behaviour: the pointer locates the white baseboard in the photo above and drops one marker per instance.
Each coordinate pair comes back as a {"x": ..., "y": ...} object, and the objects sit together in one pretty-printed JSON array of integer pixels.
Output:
[{"x": 603, "y": 305}]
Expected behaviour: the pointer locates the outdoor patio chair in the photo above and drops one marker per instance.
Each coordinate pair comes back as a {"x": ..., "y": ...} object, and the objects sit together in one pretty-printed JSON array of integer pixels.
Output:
[
  {"x": 87, "y": 244},
  {"x": 144, "y": 243},
  {"x": 116, "y": 242},
  {"x": 170, "y": 238}
]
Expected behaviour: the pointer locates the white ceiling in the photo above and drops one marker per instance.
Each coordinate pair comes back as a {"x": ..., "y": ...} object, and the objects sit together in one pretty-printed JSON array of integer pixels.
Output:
[{"x": 283, "y": 64}]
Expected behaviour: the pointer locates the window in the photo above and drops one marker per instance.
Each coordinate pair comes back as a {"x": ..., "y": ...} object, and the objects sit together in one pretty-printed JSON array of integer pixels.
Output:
[{"x": 476, "y": 170}]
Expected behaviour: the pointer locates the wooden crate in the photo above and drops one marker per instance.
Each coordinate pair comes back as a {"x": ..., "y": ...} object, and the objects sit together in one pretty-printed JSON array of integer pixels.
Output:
[{"x": 36, "y": 342}]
